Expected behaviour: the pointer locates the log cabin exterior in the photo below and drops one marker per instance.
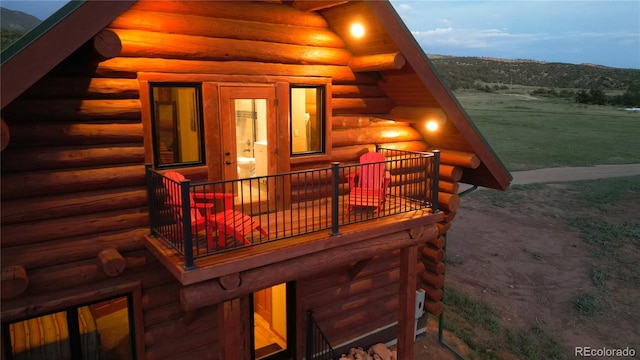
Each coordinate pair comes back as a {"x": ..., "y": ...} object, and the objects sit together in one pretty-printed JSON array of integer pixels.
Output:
[{"x": 81, "y": 132}]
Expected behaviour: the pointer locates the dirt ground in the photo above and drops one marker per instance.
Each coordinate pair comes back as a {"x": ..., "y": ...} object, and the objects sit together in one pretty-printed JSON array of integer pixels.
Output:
[{"x": 529, "y": 268}]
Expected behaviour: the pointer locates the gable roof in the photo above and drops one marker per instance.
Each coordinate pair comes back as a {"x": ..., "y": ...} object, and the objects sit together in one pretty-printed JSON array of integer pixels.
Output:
[
  {"x": 35, "y": 54},
  {"x": 415, "y": 84},
  {"x": 424, "y": 69},
  {"x": 418, "y": 83}
]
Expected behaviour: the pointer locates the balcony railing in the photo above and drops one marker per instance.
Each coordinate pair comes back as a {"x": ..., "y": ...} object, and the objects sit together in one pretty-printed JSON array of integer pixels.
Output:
[
  {"x": 317, "y": 346},
  {"x": 200, "y": 220}
]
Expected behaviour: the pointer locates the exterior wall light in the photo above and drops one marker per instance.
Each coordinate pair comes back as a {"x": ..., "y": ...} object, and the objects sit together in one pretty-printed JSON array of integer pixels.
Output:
[
  {"x": 432, "y": 125},
  {"x": 436, "y": 119},
  {"x": 357, "y": 30},
  {"x": 432, "y": 118}
]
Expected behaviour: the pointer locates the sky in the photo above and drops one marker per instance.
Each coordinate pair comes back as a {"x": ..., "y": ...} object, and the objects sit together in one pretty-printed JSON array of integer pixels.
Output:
[
  {"x": 602, "y": 32},
  {"x": 597, "y": 32}
]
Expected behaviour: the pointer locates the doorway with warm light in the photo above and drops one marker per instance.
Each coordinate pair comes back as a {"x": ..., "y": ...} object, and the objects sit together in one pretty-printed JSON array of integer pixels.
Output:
[{"x": 273, "y": 322}]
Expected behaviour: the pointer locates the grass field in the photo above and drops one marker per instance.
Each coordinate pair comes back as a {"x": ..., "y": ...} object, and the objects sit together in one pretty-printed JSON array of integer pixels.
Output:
[
  {"x": 528, "y": 132},
  {"x": 605, "y": 212}
]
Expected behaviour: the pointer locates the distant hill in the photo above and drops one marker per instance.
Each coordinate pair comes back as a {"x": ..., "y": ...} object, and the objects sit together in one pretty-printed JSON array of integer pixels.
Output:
[
  {"x": 466, "y": 72},
  {"x": 17, "y": 20},
  {"x": 14, "y": 24}
]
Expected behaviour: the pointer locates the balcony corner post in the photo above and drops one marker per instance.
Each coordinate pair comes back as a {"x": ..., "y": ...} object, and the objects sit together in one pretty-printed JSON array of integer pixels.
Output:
[
  {"x": 150, "y": 198},
  {"x": 186, "y": 225},
  {"x": 436, "y": 181},
  {"x": 335, "y": 196}
]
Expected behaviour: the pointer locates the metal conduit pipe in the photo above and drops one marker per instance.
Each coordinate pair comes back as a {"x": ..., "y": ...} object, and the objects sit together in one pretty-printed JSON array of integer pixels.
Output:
[{"x": 441, "y": 318}]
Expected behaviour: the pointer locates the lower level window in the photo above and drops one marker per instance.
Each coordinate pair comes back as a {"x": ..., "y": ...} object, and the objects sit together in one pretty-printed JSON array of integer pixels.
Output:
[{"x": 101, "y": 330}]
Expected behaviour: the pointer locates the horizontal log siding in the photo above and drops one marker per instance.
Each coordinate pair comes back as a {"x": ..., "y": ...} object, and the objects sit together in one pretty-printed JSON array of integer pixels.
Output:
[
  {"x": 195, "y": 340},
  {"x": 83, "y": 88},
  {"x": 346, "y": 307},
  {"x": 258, "y": 12},
  {"x": 139, "y": 43},
  {"x": 201, "y": 25},
  {"x": 73, "y": 186}
]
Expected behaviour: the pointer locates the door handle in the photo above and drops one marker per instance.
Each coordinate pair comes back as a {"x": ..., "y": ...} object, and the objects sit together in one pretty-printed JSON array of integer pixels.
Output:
[{"x": 228, "y": 162}]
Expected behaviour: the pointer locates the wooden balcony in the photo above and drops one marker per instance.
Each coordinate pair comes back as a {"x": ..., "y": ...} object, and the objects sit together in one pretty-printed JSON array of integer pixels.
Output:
[{"x": 307, "y": 222}]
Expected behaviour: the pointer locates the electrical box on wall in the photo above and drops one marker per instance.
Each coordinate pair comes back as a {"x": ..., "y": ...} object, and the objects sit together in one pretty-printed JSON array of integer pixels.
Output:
[{"x": 420, "y": 294}]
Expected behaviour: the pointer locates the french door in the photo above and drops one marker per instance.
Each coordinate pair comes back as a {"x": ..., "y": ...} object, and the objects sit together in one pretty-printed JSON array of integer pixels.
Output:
[{"x": 247, "y": 126}]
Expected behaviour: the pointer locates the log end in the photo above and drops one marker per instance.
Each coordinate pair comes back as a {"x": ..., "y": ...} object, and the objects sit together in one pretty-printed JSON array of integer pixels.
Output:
[
  {"x": 14, "y": 281},
  {"x": 107, "y": 45},
  {"x": 399, "y": 61},
  {"x": 111, "y": 262},
  {"x": 433, "y": 294},
  {"x": 448, "y": 202},
  {"x": 417, "y": 232},
  {"x": 432, "y": 280},
  {"x": 434, "y": 307},
  {"x": 431, "y": 254},
  {"x": 437, "y": 242},
  {"x": 230, "y": 282}
]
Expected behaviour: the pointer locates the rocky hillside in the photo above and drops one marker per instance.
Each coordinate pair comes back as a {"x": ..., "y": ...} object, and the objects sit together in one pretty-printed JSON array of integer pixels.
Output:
[{"x": 467, "y": 72}]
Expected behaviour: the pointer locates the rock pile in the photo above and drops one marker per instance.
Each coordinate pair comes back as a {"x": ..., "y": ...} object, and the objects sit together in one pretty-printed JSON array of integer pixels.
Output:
[{"x": 376, "y": 352}]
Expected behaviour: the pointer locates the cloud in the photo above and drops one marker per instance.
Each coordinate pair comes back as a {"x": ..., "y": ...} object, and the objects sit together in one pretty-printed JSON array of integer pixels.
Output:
[
  {"x": 471, "y": 38},
  {"x": 596, "y": 31}
]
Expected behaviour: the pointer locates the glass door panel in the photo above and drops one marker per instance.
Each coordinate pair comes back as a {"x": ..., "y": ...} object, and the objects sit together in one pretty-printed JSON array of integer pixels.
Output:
[{"x": 248, "y": 113}]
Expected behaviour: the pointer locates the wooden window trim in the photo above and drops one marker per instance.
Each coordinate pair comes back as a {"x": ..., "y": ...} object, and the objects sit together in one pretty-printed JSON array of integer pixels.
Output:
[
  {"x": 299, "y": 159},
  {"x": 150, "y": 103},
  {"x": 145, "y": 77}
]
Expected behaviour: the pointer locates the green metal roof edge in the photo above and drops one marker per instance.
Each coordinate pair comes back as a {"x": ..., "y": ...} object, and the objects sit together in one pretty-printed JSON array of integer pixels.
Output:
[
  {"x": 39, "y": 30},
  {"x": 446, "y": 87}
]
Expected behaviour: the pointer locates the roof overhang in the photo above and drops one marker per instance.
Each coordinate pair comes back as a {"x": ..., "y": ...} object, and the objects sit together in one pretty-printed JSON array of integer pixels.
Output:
[{"x": 33, "y": 56}]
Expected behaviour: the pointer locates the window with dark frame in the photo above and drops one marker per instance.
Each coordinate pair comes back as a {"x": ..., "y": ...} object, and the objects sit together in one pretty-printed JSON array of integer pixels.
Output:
[
  {"x": 307, "y": 120},
  {"x": 98, "y": 330},
  {"x": 176, "y": 118}
]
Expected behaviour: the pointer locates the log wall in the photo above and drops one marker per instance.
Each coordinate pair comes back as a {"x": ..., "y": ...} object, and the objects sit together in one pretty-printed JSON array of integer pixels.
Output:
[
  {"x": 354, "y": 300},
  {"x": 73, "y": 169}
]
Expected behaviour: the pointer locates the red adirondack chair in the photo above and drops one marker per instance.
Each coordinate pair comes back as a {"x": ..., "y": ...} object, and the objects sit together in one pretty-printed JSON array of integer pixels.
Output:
[
  {"x": 227, "y": 221},
  {"x": 368, "y": 187}
]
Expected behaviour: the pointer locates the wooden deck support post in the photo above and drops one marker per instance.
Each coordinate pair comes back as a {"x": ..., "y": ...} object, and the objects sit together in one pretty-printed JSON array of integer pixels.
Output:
[
  {"x": 407, "y": 302},
  {"x": 230, "y": 316}
]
